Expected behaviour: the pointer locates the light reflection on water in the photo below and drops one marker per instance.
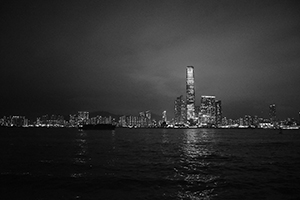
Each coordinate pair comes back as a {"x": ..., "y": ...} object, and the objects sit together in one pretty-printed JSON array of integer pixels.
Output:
[
  {"x": 165, "y": 138},
  {"x": 197, "y": 146},
  {"x": 81, "y": 155},
  {"x": 113, "y": 139},
  {"x": 150, "y": 164}
]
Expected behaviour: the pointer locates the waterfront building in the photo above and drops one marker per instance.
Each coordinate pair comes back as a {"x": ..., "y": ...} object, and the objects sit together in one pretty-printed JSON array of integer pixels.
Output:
[
  {"x": 134, "y": 121},
  {"x": 129, "y": 121},
  {"x": 148, "y": 118},
  {"x": 108, "y": 120},
  {"x": 83, "y": 117},
  {"x": 18, "y": 121},
  {"x": 241, "y": 122},
  {"x": 45, "y": 119},
  {"x": 164, "y": 116},
  {"x": 197, "y": 111},
  {"x": 179, "y": 110},
  {"x": 73, "y": 120},
  {"x": 272, "y": 113},
  {"x": 218, "y": 112},
  {"x": 225, "y": 121},
  {"x": 207, "y": 111},
  {"x": 248, "y": 121},
  {"x": 255, "y": 121},
  {"x": 142, "y": 119},
  {"x": 122, "y": 121},
  {"x": 190, "y": 94}
]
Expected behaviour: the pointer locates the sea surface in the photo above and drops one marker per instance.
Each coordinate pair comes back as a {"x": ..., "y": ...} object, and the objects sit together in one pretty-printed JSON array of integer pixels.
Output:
[{"x": 64, "y": 163}]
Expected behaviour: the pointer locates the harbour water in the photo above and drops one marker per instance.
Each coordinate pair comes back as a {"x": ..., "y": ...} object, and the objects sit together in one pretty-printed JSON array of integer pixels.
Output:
[{"x": 64, "y": 163}]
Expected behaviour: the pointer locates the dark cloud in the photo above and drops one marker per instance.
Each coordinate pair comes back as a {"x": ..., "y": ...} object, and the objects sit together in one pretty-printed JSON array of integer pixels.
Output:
[{"x": 128, "y": 56}]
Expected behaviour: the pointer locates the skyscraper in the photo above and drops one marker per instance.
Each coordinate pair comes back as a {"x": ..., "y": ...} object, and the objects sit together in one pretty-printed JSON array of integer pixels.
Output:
[
  {"x": 208, "y": 110},
  {"x": 179, "y": 110},
  {"x": 272, "y": 113},
  {"x": 148, "y": 118},
  {"x": 164, "y": 116},
  {"x": 142, "y": 119},
  {"x": 190, "y": 94},
  {"x": 197, "y": 111},
  {"x": 83, "y": 117},
  {"x": 218, "y": 112}
]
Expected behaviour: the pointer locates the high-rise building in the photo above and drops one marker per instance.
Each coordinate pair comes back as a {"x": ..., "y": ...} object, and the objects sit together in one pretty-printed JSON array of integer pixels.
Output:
[
  {"x": 218, "y": 112},
  {"x": 148, "y": 118},
  {"x": 255, "y": 121},
  {"x": 142, "y": 119},
  {"x": 197, "y": 111},
  {"x": 122, "y": 121},
  {"x": 18, "y": 121},
  {"x": 179, "y": 110},
  {"x": 190, "y": 94},
  {"x": 83, "y": 117},
  {"x": 208, "y": 110},
  {"x": 248, "y": 121},
  {"x": 272, "y": 113},
  {"x": 164, "y": 116}
]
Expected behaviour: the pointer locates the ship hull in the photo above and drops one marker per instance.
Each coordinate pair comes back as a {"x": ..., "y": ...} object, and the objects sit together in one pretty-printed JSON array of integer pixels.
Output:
[{"x": 97, "y": 127}]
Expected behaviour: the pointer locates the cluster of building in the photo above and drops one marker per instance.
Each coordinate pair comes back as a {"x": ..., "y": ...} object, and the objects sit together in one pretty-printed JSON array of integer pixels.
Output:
[
  {"x": 144, "y": 119},
  {"x": 205, "y": 118},
  {"x": 43, "y": 121},
  {"x": 82, "y": 117},
  {"x": 17, "y": 121},
  {"x": 186, "y": 114},
  {"x": 209, "y": 112}
]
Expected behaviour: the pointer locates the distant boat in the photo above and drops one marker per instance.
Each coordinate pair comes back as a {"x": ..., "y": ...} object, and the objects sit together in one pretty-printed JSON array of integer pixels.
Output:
[{"x": 97, "y": 127}]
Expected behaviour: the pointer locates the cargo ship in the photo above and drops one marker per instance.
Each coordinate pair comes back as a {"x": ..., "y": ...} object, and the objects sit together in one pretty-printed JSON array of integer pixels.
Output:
[{"x": 97, "y": 127}]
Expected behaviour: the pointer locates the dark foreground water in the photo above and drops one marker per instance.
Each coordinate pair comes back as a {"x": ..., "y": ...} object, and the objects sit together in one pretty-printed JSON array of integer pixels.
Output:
[{"x": 149, "y": 164}]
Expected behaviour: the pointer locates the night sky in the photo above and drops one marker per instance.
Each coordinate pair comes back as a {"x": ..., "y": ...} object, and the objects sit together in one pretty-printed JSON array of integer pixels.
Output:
[{"x": 59, "y": 57}]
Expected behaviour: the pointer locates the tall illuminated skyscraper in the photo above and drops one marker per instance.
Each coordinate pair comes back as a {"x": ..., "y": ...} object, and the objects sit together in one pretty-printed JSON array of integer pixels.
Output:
[
  {"x": 164, "y": 116},
  {"x": 190, "y": 94}
]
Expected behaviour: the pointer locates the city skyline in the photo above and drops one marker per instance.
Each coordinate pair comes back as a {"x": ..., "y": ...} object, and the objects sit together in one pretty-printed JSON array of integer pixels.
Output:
[
  {"x": 124, "y": 57},
  {"x": 207, "y": 115},
  {"x": 185, "y": 110}
]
